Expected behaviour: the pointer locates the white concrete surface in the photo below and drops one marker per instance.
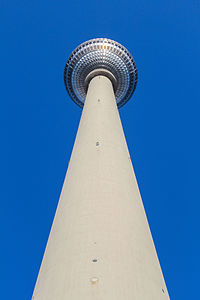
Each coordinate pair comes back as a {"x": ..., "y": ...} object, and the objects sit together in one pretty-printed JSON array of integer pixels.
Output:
[{"x": 100, "y": 246}]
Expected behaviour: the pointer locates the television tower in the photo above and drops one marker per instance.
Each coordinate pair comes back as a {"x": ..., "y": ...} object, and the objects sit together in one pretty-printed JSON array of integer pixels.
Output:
[{"x": 100, "y": 246}]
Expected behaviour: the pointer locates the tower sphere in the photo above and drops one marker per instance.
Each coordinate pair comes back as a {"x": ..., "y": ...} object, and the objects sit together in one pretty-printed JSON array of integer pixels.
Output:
[{"x": 100, "y": 56}]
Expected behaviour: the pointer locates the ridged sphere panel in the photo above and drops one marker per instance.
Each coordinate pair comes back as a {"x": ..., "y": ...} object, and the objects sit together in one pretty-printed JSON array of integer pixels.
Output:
[{"x": 104, "y": 54}]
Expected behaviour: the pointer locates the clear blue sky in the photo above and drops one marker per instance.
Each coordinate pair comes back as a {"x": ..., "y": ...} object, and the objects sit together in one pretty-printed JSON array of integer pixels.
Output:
[{"x": 38, "y": 123}]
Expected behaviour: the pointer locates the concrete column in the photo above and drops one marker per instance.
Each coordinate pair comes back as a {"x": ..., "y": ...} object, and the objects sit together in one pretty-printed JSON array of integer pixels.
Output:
[{"x": 100, "y": 246}]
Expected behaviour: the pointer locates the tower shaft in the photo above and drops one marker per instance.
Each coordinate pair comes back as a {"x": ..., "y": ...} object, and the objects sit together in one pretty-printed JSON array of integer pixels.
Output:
[{"x": 100, "y": 246}]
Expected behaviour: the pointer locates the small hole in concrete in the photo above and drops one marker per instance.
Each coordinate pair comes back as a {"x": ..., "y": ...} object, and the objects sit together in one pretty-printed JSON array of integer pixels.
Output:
[
  {"x": 97, "y": 143},
  {"x": 94, "y": 260},
  {"x": 98, "y": 100},
  {"x": 163, "y": 291}
]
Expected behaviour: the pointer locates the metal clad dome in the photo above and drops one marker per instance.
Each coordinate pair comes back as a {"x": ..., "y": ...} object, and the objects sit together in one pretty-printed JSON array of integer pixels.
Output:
[{"x": 100, "y": 53}]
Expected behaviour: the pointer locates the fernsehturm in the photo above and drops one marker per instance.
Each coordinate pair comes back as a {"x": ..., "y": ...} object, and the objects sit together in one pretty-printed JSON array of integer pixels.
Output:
[{"x": 100, "y": 246}]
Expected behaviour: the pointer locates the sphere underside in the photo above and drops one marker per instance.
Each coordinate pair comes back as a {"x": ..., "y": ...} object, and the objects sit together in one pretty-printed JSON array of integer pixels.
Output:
[{"x": 101, "y": 54}]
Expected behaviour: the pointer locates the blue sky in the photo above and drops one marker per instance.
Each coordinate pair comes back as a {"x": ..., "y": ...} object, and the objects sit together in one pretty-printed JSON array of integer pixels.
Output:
[{"x": 38, "y": 123}]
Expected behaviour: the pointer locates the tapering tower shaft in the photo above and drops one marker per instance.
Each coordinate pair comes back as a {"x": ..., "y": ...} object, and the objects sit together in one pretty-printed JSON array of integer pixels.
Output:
[{"x": 100, "y": 246}]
